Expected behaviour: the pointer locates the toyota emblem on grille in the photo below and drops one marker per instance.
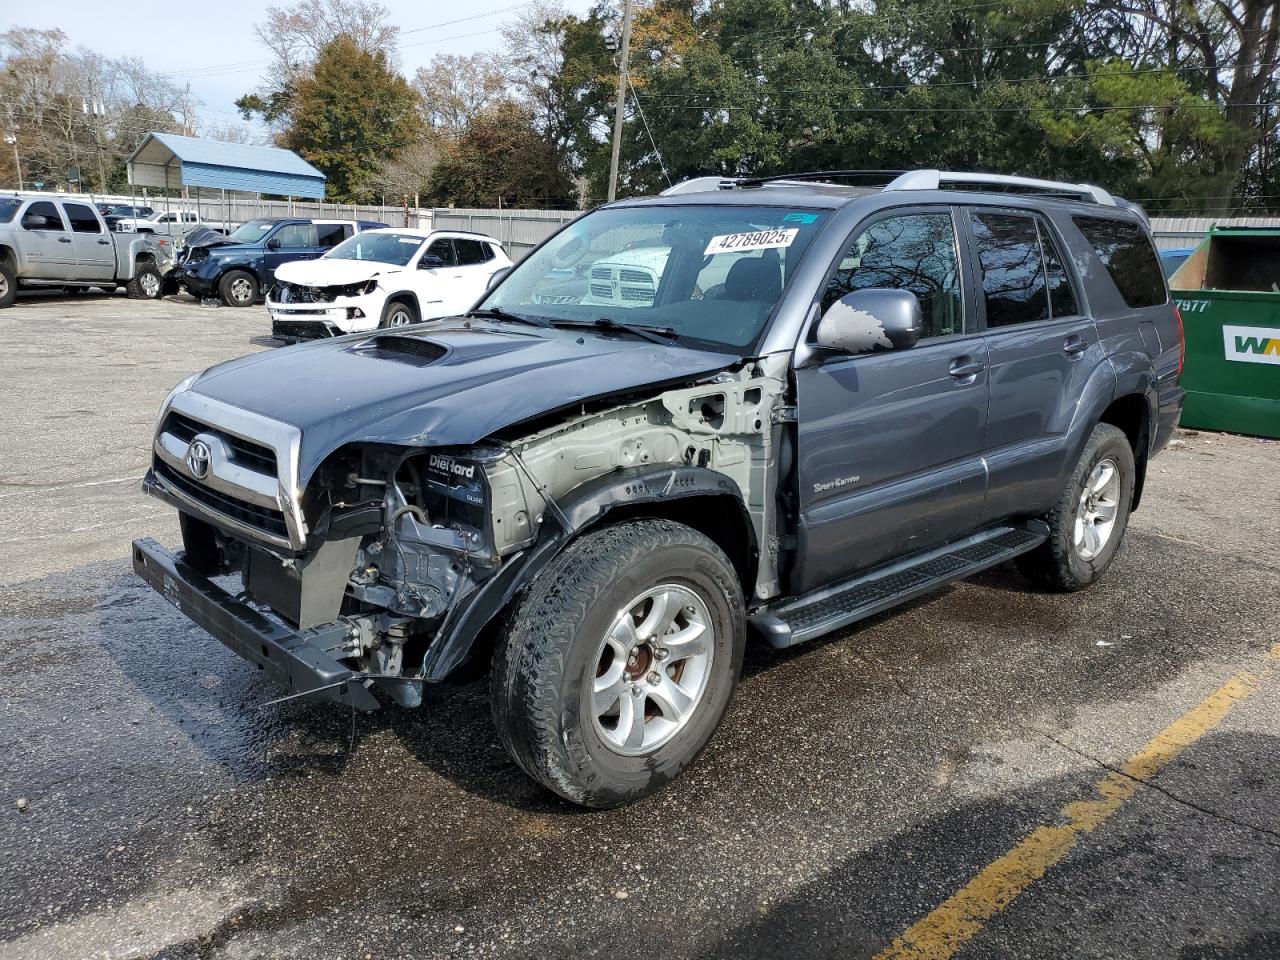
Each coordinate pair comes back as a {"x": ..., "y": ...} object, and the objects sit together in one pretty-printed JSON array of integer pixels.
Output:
[{"x": 198, "y": 459}]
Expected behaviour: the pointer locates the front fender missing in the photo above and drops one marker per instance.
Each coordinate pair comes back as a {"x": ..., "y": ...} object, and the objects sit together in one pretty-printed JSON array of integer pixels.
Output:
[{"x": 586, "y": 507}]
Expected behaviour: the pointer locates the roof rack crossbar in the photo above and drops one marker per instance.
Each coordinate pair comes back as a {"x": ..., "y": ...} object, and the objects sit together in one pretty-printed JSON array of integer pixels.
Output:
[{"x": 934, "y": 179}]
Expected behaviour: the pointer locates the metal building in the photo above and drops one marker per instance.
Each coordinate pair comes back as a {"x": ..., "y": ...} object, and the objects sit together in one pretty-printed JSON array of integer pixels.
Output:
[{"x": 169, "y": 161}]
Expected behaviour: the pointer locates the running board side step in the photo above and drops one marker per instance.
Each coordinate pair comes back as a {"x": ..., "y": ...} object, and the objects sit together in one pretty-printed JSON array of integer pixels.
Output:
[{"x": 833, "y": 607}]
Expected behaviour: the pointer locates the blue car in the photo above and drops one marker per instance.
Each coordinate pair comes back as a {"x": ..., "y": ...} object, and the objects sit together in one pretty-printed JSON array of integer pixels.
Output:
[{"x": 238, "y": 268}]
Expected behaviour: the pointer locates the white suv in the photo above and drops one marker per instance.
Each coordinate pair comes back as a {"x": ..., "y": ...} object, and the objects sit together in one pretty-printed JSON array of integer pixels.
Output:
[{"x": 388, "y": 277}]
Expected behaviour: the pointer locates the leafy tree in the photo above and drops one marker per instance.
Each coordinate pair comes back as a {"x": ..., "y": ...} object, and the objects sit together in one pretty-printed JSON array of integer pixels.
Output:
[
  {"x": 502, "y": 160},
  {"x": 348, "y": 115}
]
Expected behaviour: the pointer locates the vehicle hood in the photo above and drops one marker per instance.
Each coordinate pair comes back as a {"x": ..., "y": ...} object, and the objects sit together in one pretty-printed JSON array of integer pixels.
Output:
[
  {"x": 332, "y": 273},
  {"x": 207, "y": 237},
  {"x": 453, "y": 383}
]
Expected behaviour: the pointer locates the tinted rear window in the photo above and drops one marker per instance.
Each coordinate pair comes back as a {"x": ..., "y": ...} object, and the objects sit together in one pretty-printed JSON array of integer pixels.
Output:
[
  {"x": 82, "y": 218},
  {"x": 471, "y": 251},
  {"x": 1129, "y": 257}
]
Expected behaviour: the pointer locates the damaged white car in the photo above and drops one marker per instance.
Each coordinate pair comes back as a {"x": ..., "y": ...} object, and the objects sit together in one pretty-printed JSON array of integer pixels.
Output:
[{"x": 390, "y": 277}]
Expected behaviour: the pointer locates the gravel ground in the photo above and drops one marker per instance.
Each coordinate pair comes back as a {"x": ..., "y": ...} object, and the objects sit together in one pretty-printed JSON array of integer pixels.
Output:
[{"x": 153, "y": 805}]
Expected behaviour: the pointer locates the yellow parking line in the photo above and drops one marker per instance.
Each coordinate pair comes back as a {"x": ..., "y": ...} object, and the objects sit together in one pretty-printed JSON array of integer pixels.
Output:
[{"x": 957, "y": 920}]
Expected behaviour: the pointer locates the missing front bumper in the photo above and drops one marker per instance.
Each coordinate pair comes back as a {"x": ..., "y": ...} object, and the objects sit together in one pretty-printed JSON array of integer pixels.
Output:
[{"x": 296, "y": 659}]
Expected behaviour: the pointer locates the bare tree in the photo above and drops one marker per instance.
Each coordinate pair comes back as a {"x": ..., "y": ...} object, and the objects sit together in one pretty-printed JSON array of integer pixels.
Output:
[
  {"x": 295, "y": 35},
  {"x": 454, "y": 89},
  {"x": 77, "y": 114},
  {"x": 535, "y": 52},
  {"x": 409, "y": 174}
]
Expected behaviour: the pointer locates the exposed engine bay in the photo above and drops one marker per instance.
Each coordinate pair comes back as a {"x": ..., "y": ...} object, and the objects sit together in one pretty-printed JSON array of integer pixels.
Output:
[{"x": 401, "y": 542}]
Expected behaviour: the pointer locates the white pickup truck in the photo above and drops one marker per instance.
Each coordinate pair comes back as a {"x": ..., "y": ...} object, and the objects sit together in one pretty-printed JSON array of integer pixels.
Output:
[
  {"x": 54, "y": 242},
  {"x": 161, "y": 221}
]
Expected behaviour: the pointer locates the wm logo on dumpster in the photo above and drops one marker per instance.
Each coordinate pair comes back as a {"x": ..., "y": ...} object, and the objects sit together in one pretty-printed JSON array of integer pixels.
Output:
[{"x": 1252, "y": 344}]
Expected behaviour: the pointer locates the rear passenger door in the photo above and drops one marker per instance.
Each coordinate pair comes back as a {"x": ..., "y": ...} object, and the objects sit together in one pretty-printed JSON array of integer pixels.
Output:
[
  {"x": 1041, "y": 349},
  {"x": 475, "y": 266},
  {"x": 94, "y": 250},
  {"x": 890, "y": 442},
  {"x": 329, "y": 235}
]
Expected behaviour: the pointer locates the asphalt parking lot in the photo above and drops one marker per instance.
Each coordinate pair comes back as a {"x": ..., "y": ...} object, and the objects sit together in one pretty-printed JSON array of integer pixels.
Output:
[{"x": 990, "y": 772}]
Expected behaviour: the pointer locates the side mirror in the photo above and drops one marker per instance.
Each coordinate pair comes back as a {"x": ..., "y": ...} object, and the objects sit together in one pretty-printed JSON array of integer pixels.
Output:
[
  {"x": 871, "y": 319},
  {"x": 273, "y": 244},
  {"x": 430, "y": 261},
  {"x": 33, "y": 221},
  {"x": 496, "y": 278}
]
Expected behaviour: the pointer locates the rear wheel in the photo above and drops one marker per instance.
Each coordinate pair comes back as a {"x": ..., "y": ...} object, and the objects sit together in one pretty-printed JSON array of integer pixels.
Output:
[
  {"x": 238, "y": 288},
  {"x": 619, "y": 662},
  {"x": 1088, "y": 522},
  {"x": 398, "y": 313},
  {"x": 145, "y": 283},
  {"x": 8, "y": 285}
]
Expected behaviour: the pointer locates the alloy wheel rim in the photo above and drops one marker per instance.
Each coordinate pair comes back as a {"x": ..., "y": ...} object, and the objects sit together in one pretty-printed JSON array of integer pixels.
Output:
[
  {"x": 400, "y": 318},
  {"x": 150, "y": 284},
  {"x": 4, "y": 285},
  {"x": 240, "y": 289},
  {"x": 1097, "y": 510},
  {"x": 651, "y": 669}
]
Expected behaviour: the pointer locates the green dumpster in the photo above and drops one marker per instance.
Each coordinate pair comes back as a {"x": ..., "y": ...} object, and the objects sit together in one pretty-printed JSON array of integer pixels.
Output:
[{"x": 1228, "y": 291}]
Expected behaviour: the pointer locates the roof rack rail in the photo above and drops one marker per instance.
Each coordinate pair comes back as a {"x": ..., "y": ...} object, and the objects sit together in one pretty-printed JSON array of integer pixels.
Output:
[
  {"x": 818, "y": 175},
  {"x": 934, "y": 180}
]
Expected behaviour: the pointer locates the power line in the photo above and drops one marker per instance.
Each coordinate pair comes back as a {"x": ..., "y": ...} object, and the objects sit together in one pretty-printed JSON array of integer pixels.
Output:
[
  {"x": 214, "y": 69},
  {"x": 658, "y": 153}
]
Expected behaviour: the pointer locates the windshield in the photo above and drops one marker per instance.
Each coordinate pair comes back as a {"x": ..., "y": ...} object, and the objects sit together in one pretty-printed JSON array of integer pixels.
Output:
[
  {"x": 393, "y": 248},
  {"x": 8, "y": 208},
  {"x": 709, "y": 273},
  {"x": 251, "y": 231}
]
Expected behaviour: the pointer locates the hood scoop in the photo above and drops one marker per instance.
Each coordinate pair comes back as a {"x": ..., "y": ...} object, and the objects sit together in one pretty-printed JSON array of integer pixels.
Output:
[{"x": 401, "y": 348}]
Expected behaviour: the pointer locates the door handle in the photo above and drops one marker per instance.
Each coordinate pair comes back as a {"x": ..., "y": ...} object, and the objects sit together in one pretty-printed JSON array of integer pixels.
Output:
[
  {"x": 64, "y": 239},
  {"x": 1073, "y": 346},
  {"x": 964, "y": 367},
  {"x": 104, "y": 243}
]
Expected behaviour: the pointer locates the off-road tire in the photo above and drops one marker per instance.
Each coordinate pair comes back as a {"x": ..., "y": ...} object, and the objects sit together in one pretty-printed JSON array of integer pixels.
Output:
[
  {"x": 395, "y": 309},
  {"x": 134, "y": 288},
  {"x": 233, "y": 279},
  {"x": 543, "y": 665},
  {"x": 1057, "y": 564},
  {"x": 8, "y": 285}
]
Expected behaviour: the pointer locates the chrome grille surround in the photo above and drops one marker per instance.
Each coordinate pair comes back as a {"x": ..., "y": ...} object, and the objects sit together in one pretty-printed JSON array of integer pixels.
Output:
[{"x": 241, "y": 491}]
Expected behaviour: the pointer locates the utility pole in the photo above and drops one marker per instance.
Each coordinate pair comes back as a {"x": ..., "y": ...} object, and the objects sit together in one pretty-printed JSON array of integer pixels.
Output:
[{"x": 621, "y": 102}]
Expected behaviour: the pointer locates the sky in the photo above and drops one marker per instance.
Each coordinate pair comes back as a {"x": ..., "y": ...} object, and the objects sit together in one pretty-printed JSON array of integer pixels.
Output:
[{"x": 211, "y": 44}]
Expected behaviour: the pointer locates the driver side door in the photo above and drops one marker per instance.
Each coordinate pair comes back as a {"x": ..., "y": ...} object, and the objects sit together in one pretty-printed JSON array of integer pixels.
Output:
[
  {"x": 47, "y": 246},
  {"x": 890, "y": 442},
  {"x": 437, "y": 281},
  {"x": 293, "y": 241}
]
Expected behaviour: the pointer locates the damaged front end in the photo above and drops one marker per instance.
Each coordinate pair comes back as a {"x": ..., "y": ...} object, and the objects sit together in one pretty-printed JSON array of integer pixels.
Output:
[{"x": 386, "y": 568}]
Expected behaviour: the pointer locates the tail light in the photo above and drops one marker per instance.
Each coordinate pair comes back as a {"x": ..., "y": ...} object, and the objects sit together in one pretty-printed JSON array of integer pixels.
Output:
[{"x": 1182, "y": 339}]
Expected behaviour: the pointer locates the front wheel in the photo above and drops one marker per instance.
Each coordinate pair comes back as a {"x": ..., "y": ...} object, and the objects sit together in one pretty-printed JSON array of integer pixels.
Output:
[
  {"x": 8, "y": 285},
  {"x": 619, "y": 662},
  {"x": 398, "y": 314},
  {"x": 1088, "y": 522},
  {"x": 238, "y": 288}
]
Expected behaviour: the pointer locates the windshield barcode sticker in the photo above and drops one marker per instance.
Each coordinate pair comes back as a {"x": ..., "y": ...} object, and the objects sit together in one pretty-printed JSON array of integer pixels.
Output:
[{"x": 759, "y": 240}]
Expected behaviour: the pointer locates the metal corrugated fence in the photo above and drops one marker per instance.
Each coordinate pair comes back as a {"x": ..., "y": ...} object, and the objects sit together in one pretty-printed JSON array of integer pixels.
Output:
[
  {"x": 1173, "y": 232},
  {"x": 517, "y": 230}
]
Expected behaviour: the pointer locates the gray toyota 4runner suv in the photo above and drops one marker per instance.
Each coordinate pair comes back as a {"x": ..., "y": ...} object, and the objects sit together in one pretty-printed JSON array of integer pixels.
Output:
[{"x": 772, "y": 408}]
